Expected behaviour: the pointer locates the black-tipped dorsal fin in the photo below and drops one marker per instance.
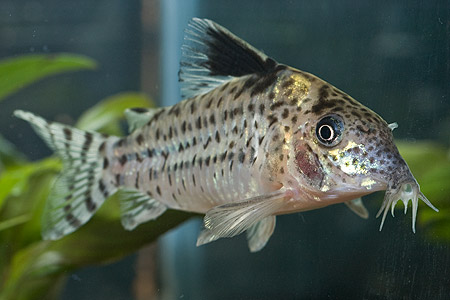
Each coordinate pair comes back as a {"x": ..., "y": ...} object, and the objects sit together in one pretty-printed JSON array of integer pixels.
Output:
[{"x": 213, "y": 55}]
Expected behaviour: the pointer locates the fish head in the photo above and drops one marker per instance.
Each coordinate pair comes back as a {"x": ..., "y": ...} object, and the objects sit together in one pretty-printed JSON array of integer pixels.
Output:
[{"x": 343, "y": 150}]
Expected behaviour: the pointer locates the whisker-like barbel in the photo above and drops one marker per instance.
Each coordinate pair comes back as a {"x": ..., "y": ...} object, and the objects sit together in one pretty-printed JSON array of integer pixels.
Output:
[{"x": 405, "y": 193}]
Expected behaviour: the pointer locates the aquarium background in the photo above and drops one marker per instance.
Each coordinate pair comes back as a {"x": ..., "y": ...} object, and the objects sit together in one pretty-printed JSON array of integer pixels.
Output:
[{"x": 393, "y": 57}]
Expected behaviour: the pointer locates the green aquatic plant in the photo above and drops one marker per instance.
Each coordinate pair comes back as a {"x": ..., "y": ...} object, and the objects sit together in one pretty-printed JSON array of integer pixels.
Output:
[
  {"x": 31, "y": 268},
  {"x": 16, "y": 73}
]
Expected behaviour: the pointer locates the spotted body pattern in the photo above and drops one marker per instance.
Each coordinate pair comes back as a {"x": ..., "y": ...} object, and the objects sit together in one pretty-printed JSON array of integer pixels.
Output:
[{"x": 254, "y": 139}]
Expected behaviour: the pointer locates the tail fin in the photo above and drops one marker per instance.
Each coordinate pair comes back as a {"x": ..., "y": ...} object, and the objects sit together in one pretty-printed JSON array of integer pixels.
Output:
[{"x": 81, "y": 188}]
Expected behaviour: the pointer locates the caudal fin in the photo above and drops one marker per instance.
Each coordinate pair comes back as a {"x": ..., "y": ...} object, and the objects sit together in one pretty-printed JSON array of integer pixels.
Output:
[{"x": 81, "y": 188}]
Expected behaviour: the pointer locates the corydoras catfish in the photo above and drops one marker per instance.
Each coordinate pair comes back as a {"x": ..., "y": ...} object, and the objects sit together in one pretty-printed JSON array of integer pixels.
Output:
[{"x": 253, "y": 139}]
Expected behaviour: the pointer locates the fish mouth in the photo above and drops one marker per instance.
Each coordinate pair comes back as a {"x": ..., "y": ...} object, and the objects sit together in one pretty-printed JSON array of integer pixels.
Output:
[{"x": 405, "y": 191}]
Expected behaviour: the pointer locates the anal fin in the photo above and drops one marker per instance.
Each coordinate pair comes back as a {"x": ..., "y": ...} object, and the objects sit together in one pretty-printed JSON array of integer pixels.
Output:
[{"x": 137, "y": 208}]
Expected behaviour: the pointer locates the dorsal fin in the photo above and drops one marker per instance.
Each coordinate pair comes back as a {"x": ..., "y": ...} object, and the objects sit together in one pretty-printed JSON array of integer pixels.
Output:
[
  {"x": 138, "y": 117},
  {"x": 213, "y": 55}
]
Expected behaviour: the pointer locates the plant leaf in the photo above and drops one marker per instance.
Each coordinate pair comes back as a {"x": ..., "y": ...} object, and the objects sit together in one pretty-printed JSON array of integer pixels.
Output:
[
  {"x": 9, "y": 155},
  {"x": 17, "y": 72},
  {"x": 14, "y": 181},
  {"x": 6, "y": 224},
  {"x": 105, "y": 116}
]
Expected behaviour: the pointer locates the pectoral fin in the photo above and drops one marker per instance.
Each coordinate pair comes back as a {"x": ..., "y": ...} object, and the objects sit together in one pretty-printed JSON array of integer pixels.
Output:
[
  {"x": 232, "y": 219},
  {"x": 357, "y": 206}
]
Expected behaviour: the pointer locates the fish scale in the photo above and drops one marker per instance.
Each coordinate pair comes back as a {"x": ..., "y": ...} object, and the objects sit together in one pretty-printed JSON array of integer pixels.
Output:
[
  {"x": 252, "y": 140},
  {"x": 212, "y": 149}
]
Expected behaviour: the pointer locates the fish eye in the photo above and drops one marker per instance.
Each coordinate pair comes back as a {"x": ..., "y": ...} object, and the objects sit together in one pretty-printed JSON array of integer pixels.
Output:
[{"x": 329, "y": 130}]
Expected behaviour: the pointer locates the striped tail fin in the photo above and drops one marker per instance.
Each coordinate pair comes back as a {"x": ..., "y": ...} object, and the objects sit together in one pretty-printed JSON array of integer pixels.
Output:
[{"x": 82, "y": 187}]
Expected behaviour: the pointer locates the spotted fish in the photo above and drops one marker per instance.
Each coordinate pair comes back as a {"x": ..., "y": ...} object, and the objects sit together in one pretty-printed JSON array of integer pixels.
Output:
[{"x": 253, "y": 139}]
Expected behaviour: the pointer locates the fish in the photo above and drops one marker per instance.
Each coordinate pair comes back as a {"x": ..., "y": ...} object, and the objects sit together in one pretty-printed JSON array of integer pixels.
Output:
[{"x": 253, "y": 139}]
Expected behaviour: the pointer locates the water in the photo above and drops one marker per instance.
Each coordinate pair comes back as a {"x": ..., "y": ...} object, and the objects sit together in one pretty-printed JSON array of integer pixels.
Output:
[{"x": 393, "y": 57}]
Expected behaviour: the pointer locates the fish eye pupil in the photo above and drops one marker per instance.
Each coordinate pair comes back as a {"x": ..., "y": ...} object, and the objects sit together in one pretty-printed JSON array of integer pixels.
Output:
[
  {"x": 329, "y": 130},
  {"x": 326, "y": 132}
]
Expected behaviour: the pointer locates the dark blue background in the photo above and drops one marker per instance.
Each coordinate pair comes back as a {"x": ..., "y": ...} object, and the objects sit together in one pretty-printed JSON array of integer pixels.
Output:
[{"x": 393, "y": 56}]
